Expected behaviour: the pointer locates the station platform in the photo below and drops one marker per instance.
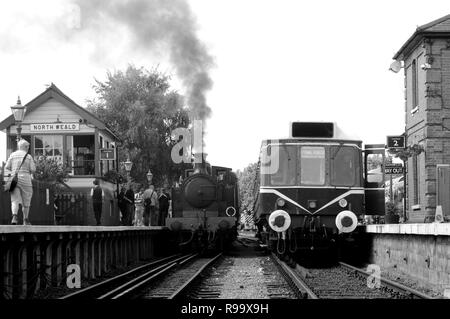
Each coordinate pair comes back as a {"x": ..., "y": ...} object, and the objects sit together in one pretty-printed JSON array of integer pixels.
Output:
[
  {"x": 436, "y": 229},
  {"x": 36, "y": 257},
  {"x": 421, "y": 251},
  {"x": 9, "y": 229}
]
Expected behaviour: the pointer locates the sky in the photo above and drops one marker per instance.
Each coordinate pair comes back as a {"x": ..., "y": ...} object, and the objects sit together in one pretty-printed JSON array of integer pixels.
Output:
[{"x": 274, "y": 62}]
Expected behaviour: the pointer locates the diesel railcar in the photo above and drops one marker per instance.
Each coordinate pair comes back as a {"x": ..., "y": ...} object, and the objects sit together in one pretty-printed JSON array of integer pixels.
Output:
[
  {"x": 315, "y": 188},
  {"x": 205, "y": 207}
]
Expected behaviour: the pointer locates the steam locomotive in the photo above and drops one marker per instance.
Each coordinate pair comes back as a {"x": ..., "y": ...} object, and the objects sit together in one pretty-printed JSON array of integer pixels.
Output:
[
  {"x": 315, "y": 188},
  {"x": 205, "y": 207}
]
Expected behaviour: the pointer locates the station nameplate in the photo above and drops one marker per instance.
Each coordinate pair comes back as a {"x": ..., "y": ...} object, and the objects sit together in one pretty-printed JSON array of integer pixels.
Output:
[{"x": 52, "y": 127}]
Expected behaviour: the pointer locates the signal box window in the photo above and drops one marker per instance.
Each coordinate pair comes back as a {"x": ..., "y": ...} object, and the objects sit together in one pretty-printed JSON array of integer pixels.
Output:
[
  {"x": 312, "y": 165},
  {"x": 344, "y": 166},
  {"x": 50, "y": 146},
  {"x": 285, "y": 175}
]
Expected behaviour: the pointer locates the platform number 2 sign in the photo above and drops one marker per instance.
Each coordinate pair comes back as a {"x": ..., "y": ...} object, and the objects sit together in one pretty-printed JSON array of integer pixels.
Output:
[{"x": 374, "y": 281}]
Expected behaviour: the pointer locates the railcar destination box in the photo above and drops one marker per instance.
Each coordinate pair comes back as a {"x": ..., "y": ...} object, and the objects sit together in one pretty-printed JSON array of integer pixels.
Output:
[{"x": 312, "y": 129}]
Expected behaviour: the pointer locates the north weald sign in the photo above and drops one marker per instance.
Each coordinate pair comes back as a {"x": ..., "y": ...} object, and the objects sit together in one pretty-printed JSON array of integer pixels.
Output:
[
  {"x": 108, "y": 154},
  {"x": 394, "y": 142},
  {"x": 393, "y": 169},
  {"x": 54, "y": 127}
]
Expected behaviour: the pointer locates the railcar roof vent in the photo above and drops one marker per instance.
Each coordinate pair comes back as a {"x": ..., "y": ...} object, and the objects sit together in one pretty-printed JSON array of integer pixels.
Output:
[{"x": 311, "y": 130}]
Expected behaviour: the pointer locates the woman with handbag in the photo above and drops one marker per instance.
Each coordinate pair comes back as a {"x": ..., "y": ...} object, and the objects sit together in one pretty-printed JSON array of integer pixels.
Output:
[{"x": 21, "y": 166}]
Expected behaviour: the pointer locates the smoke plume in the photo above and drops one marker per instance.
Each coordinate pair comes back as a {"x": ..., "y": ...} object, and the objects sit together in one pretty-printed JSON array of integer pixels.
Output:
[{"x": 152, "y": 24}]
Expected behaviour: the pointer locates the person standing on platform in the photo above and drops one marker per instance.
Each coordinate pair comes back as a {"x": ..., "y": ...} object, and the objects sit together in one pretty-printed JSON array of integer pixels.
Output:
[
  {"x": 98, "y": 196},
  {"x": 147, "y": 199},
  {"x": 22, "y": 164},
  {"x": 122, "y": 203},
  {"x": 139, "y": 202},
  {"x": 151, "y": 200},
  {"x": 163, "y": 199},
  {"x": 129, "y": 198}
]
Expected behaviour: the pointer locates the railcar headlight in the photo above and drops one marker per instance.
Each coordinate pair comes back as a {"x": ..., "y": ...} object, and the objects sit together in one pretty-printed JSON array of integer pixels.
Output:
[
  {"x": 312, "y": 204},
  {"x": 343, "y": 202},
  {"x": 280, "y": 202}
]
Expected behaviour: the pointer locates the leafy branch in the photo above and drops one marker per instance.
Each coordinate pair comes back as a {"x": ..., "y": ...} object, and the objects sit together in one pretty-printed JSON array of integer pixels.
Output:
[{"x": 408, "y": 152}]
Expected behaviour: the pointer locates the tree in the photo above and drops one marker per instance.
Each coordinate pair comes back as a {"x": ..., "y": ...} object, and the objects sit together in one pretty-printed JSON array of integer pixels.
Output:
[
  {"x": 140, "y": 107},
  {"x": 248, "y": 186}
]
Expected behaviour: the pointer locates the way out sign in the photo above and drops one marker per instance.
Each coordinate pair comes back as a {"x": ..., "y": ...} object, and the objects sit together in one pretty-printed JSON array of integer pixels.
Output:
[
  {"x": 395, "y": 142},
  {"x": 392, "y": 169}
]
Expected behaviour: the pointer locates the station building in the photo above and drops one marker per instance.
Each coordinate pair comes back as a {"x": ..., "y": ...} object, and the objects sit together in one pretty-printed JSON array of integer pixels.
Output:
[
  {"x": 59, "y": 128},
  {"x": 426, "y": 61}
]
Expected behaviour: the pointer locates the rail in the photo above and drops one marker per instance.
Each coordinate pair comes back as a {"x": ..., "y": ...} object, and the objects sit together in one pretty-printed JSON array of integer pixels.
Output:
[
  {"x": 294, "y": 280},
  {"x": 392, "y": 284},
  {"x": 107, "y": 288},
  {"x": 189, "y": 282}
]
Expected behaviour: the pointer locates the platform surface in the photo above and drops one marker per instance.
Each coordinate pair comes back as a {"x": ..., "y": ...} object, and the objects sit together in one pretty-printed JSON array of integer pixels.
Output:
[
  {"x": 9, "y": 229},
  {"x": 436, "y": 229}
]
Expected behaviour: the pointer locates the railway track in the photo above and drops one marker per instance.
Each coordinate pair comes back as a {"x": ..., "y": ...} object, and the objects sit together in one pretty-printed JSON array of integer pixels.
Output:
[
  {"x": 249, "y": 276},
  {"x": 124, "y": 284},
  {"x": 177, "y": 283},
  {"x": 344, "y": 282}
]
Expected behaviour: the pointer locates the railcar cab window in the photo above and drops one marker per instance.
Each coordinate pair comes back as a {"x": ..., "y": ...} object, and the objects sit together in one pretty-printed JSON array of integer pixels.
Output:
[
  {"x": 278, "y": 165},
  {"x": 344, "y": 166},
  {"x": 312, "y": 165}
]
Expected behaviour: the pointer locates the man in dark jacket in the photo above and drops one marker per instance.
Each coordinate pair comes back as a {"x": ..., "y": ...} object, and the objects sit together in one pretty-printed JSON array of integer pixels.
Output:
[
  {"x": 129, "y": 199},
  {"x": 163, "y": 199},
  {"x": 97, "y": 195},
  {"x": 122, "y": 203}
]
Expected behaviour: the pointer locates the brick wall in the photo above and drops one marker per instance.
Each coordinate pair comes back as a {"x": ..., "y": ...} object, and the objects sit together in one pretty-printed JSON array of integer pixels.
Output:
[{"x": 429, "y": 126}]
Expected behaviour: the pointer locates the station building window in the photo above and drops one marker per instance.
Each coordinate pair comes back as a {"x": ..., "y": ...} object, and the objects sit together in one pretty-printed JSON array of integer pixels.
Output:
[
  {"x": 13, "y": 143},
  {"x": 83, "y": 152},
  {"x": 50, "y": 146},
  {"x": 415, "y": 85},
  {"x": 416, "y": 179}
]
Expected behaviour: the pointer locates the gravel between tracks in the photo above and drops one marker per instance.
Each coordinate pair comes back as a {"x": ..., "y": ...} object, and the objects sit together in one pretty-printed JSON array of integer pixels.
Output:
[
  {"x": 407, "y": 280},
  {"x": 340, "y": 283}
]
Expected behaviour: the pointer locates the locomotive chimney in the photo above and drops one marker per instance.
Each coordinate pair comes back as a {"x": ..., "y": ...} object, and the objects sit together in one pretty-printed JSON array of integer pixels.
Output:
[{"x": 200, "y": 163}]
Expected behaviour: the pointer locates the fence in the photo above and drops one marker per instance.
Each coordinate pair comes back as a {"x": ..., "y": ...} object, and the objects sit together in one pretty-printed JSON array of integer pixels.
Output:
[
  {"x": 41, "y": 211},
  {"x": 71, "y": 209}
]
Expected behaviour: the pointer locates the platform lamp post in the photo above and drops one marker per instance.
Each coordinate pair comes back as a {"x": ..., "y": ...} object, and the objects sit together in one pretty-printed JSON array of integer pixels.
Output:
[
  {"x": 149, "y": 177},
  {"x": 18, "y": 112},
  {"x": 128, "y": 165}
]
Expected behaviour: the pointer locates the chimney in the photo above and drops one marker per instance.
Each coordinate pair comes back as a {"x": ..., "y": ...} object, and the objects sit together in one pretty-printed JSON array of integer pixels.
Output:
[{"x": 200, "y": 163}]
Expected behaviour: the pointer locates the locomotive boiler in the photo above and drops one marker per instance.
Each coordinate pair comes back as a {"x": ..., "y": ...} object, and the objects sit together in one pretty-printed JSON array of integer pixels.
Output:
[
  {"x": 314, "y": 189},
  {"x": 205, "y": 207}
]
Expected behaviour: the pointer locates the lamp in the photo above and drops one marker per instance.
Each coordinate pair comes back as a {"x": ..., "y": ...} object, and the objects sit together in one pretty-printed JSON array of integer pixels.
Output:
[
  {"x": 128, "y": 165},
  {"x": 18, "y": 112}
]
